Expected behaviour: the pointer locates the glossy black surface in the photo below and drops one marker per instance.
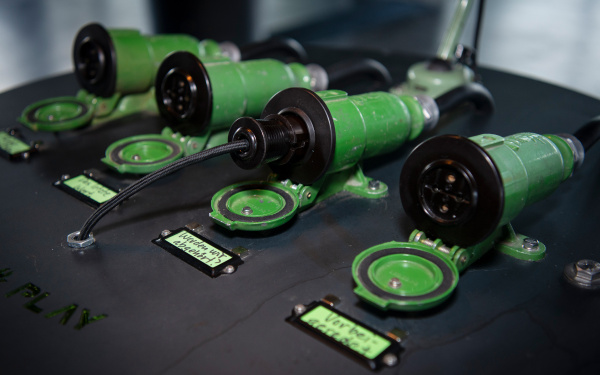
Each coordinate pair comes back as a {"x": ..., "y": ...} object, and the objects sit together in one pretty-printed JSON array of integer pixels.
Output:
[{"x": 164, "y": 316}]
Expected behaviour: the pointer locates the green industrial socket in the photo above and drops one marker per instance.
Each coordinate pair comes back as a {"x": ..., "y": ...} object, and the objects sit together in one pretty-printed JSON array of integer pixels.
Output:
[
  {"x": 200, "y": 99},
  {"x": 314, "y": 143},
  {"x": 463, "y": 193},
  {"x": 116, "y": 70}
]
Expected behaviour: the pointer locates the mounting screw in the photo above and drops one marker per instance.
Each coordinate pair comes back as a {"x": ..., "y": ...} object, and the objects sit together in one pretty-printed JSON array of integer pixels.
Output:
[
  {"x": 374, "y": 185},
  {"x": 395, "y": 283},
  {"x": 299, "y": 309},
  {"x": 247, "y": 210},
  {"x": 308, "y": 195},
  {"x": 229, "y": 269},
  {"x": 136, "y": 157},
  {"x": 25, "y": 155},
  {"x": 531, "y": 244},
  {"x": 65, "y": 177},
  {"x": 390, "y": 359},
  {"x": 165, "y": 233},
  {"x": 584, "y": 273}
]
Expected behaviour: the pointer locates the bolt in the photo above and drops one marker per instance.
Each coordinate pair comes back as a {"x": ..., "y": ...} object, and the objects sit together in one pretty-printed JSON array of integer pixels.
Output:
[
  {"x": 450, "y": 179},
  {"x": 299, "y": 309},
  {"x": 531, "y": 244},
  {"x": 247, "y": 211},
  {"x": 136, "y": 157},
  {"x": 229, "y": 269},
  {"x": 165, "y": 233},
  {"x": 395, "y": 283},
  {"x": 463, "y": 259},
  {"x": 588, "y": 266},
  {"x": 374, "y": 185},
  {"x": 444, "y": 208},
  {"x": 390, "y": 359},
  {"x": 308, "y": 195},
  {"x": 584, "y": 273},
  {"x": 65, "y": 177},
  {"x": 25, "y": 155}
]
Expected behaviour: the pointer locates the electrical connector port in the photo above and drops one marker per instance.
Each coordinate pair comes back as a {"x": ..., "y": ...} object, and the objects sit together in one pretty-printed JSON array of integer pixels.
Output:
[
  {"x": 451, "y": 188},
  {"x": 183, "y": 93},
  {"x": 94, "y": 58}
]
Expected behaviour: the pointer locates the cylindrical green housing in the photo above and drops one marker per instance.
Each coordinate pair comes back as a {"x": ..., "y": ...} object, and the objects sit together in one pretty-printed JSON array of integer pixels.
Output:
[
  {"x": 370, "y": 124},
  {"x": 531, "y": 167},
  {"x": 124, "y": 60},
  {"x": 243, "y": 88},
  {"x": 304, "y": 135},
  {"x": 461, "y": 190},
  {"x": 193, "y": 94}
]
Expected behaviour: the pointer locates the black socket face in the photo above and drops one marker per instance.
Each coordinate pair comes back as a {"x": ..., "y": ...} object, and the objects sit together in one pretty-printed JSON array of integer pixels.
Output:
[
  {"x": 94, "y": 58},
  {"x": 452, "y": 190},
  {"x": 447, "y": 192},
  {"x": 179, "y": 93},
  {"x": 91, "y": 63},
  {"x": 184, "y": 93}
]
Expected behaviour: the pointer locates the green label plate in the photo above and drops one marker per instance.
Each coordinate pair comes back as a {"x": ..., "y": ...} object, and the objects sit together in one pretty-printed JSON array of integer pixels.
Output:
[
  {"x": 86, "y": 189},
  {"x": 11, "y": 146},
  {"x": 346, "y": 333},
  {"x": 198, "y": 251}
]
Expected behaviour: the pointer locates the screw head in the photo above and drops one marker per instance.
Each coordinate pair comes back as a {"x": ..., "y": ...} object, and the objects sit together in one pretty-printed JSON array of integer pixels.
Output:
[
  {"x": 531, "y": 244},
  {"x": 135, "y": 157},
  {"x": 395, "y": 283},
  {"x": 374, "y": 185},
  {"x": 247, "y": 210},
  {"x": 65, "y": 177},
  {"x": 299, "y": 309},
  {"x": 229, "y": 269},
  {"x": 390, "y": 359},
  {"x": 165, "y": 233}
]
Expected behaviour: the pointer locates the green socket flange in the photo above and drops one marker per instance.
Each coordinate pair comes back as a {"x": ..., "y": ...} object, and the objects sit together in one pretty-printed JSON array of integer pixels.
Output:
[
  {"x": 332, "y": 133},
  {"x": 463, "y": 193},
  {"x": 116, "y": 69},
  {"x": 142, "y": 154}
]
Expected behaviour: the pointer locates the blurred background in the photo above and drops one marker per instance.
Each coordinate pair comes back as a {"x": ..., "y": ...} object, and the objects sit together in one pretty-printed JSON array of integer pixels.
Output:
[{"x": 550, "y": 40}]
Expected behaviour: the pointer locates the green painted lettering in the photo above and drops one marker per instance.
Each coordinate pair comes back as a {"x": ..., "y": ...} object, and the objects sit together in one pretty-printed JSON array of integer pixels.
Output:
[
  {"x": 4, "y": 273},
  {"x": 85, "y": 319},
  {"x": 30, "y": 290},
  {"x": 67, "y": 310},
  {"x": 31, "y": 305}
]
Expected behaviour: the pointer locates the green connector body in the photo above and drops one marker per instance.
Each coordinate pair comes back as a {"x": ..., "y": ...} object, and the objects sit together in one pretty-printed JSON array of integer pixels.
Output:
[
  {"x": 330, "y": 133},
  {"x": 463, "y": 193},
  {"x": 370, "y": 124},
  {"x": 531, "y": 167},
  {"x": 461, "y": 190},
  {"x": 243, "y": 88},
  {"x": 109, "y": 61},
  {"x": 116, "y": 69}
]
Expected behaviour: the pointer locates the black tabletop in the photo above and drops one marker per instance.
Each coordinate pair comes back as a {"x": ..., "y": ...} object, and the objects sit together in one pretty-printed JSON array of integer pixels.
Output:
[{"x": 164, "y": 316}]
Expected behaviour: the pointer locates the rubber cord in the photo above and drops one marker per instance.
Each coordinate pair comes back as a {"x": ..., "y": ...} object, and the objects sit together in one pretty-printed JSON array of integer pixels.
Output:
[
  {"x": 288, "y": 48},
  {"x": 589, "y": 133},
  {"x": 135, "y": 187},
  {"x": 474, "y": 93}
]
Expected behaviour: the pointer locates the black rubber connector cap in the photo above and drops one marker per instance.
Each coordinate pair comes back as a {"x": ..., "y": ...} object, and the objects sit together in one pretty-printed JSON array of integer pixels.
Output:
[
  {"x": 183, "y": 93},
  {"x": 95, "y": 60},
  {"x": 269, "y": 140},
  {"x": 308, "y": 105},
  {"x": 451, "y": 188}
]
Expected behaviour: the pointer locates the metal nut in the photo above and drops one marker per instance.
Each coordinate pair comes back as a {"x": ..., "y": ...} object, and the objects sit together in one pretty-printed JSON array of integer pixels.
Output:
[
  {"x": 79, "y": 244},
  {"x": 584, "y": 273}
]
